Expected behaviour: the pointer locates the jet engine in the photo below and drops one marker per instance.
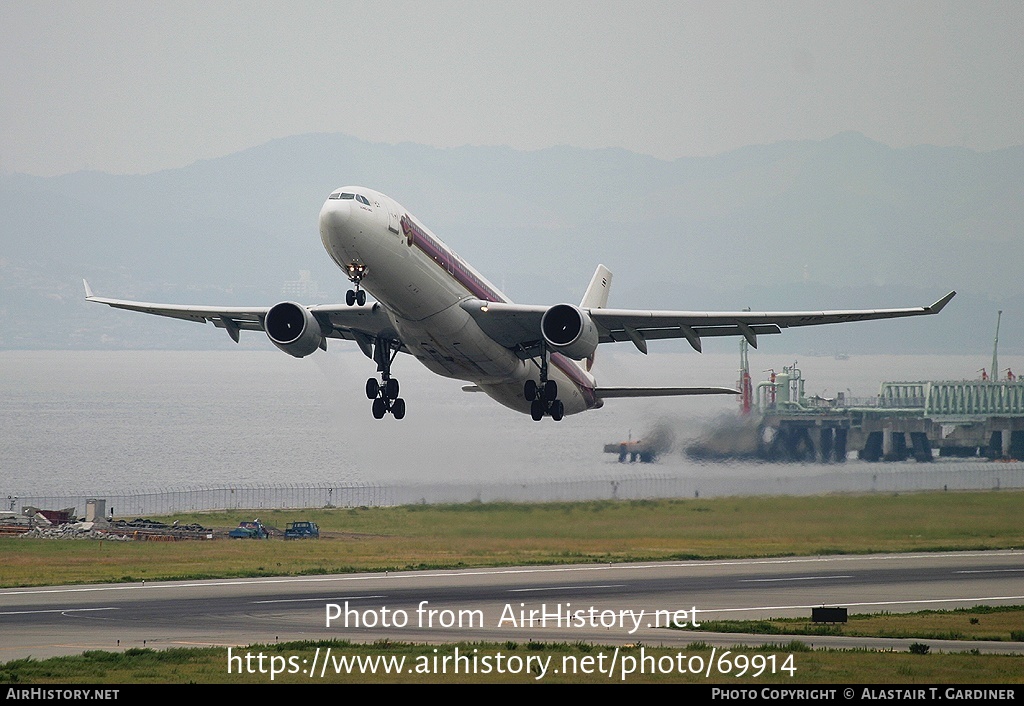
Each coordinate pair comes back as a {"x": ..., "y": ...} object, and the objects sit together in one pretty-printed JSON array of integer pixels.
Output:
[
  {"x": 292, "y": 328},
  {"x": 569, "y": 331}
]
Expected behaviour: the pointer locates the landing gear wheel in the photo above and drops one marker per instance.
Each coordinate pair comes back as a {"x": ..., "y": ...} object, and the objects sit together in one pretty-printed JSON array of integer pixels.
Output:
[
  {"x": 543, "y": 396},
  {"x": 537, "y": 410},
  {"x": 550, "y": 391},
  {"x": 350, "y": 297},
  {"x": 384, "y": 393},
  {"x": 372, "y": 388},
  {"x": 361, "y": 297},
  {"x": 530, "y": 390},
  {"x": 557, "y": 410}
]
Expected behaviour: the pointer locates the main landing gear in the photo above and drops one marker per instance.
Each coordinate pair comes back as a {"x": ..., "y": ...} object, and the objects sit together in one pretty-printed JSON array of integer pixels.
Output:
[
  {"x": 385, "y": 393},
  {"x": 543, "y": 398},
  {"x": 356, "y": 271}
]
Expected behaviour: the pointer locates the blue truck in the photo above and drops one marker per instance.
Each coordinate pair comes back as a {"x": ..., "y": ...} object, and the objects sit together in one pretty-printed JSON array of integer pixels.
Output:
[
  {"x": 250, "y": 530},
  {"x": 302, "y": 530}
]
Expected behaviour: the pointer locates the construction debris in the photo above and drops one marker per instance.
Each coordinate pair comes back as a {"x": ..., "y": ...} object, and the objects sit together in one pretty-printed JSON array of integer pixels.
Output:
[
  {"x": 152, "y": 530},
  {"x": 77, "y": 530},
  {"x": 34, "y": 523}
]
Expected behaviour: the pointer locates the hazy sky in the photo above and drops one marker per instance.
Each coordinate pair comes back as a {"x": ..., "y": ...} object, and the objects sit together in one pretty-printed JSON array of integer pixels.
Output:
[{"x": 141, "y": 86}]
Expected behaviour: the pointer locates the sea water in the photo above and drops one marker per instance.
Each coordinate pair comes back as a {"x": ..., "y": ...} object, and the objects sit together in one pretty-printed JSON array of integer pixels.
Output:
[{"x": 75, "y": 421}]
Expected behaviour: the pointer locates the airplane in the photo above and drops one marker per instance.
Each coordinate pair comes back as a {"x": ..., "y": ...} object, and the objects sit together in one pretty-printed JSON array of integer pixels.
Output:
[{"x": 432, "y": 304}]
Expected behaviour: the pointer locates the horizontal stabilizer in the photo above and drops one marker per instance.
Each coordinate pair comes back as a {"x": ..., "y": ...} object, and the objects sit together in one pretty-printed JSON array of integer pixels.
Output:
[{"x": 609, "y": 392}]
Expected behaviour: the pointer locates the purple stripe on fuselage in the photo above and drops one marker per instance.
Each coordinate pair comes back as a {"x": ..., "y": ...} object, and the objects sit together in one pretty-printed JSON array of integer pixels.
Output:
[
  {"x": 449, "y": 262},
  {"x": 461, "y": 273}
]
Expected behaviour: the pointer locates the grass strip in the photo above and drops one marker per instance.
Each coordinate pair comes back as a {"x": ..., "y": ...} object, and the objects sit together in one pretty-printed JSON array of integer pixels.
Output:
[
  {"x": 501, "y": 534},
  {"x": 997, "y": 623},
  {"x": 511, "y": 662}
]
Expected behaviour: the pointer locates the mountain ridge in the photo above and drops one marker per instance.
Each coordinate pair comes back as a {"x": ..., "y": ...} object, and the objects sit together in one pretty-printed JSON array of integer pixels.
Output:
[{"x": 772, "y": 225}]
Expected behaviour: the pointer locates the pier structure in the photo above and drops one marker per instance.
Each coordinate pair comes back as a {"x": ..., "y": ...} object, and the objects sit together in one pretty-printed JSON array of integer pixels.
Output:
[{"x": 917, "y": 419}]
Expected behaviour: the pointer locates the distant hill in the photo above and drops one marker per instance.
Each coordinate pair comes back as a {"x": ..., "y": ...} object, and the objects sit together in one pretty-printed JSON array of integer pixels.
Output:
[{"x": 840, "y": 223}]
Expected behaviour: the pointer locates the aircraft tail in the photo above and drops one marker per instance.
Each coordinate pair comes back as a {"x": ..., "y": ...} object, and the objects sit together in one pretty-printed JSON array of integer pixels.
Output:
[
  {"x": 597, "y": 293},
  {"x": 596, "y": 297}
]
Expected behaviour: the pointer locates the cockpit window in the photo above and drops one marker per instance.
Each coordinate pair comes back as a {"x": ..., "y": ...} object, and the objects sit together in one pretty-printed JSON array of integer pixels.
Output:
[
  {"x": 362, "y": 199},
  {"x": 334, "y": 196},
  {"x": 348, "y": 197}
]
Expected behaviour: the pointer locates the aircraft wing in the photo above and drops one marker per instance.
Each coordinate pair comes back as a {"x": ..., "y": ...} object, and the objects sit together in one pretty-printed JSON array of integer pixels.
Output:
[
  {"x": 518, "y": 327},
  {"x": 355, "y": 323}
]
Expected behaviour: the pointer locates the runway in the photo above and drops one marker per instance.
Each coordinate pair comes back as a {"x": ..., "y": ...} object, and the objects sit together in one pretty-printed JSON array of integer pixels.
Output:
[{"x": 606, "y": 604}]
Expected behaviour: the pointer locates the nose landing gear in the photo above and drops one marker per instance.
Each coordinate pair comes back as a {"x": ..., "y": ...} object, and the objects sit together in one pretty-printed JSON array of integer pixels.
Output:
[{"x": 356, "y": 272}]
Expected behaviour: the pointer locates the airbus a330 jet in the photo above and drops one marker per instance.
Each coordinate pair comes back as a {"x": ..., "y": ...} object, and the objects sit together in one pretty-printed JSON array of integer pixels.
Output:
[{"x": 433, "y": 305}]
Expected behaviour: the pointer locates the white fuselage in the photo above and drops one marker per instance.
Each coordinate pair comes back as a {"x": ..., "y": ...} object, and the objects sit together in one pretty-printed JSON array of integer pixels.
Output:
[{"x": 420, "y": 283}]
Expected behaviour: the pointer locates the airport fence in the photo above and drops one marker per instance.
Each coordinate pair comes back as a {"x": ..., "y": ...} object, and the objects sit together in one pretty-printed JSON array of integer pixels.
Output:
[{"x": 752, "y": 479}]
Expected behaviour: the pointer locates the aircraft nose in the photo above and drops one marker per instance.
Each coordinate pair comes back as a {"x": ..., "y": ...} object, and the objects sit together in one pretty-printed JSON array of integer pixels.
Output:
[
  {"x": 335, "y": 229},
  {"x": 335, "y": 214}
]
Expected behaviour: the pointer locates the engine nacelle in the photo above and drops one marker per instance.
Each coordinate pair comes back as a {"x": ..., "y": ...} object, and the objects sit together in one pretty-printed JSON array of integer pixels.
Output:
[
  {"x": 292, "y": 328},
  {"x": 570, "y": 331}
]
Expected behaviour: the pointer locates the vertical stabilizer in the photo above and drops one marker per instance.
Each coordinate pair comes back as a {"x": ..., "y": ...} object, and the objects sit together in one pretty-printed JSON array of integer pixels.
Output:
[
  {"x": 597, "y": 293},
  {"x": 597, "y": 298}
]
